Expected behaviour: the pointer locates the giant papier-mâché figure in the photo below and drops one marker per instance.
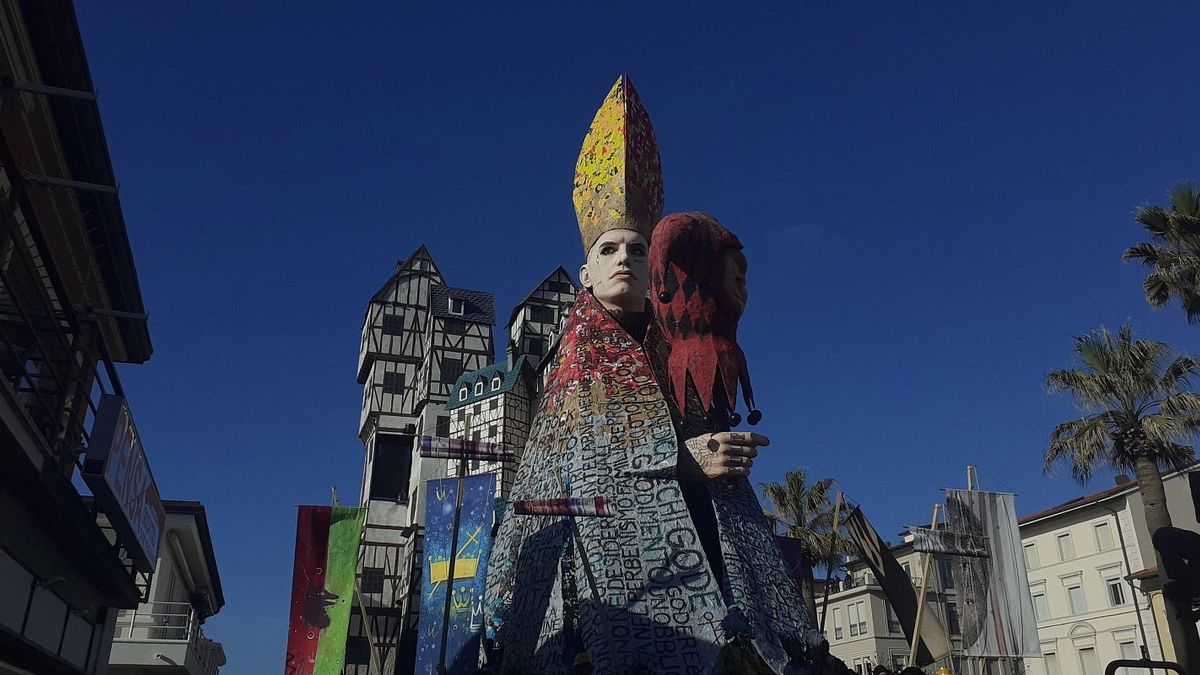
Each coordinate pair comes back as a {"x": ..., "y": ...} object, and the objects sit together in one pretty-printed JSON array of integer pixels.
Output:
[{"x": 604, "y": 428}]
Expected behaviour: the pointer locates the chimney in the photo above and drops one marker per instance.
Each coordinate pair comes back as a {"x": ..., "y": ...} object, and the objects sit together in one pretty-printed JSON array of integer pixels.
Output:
[{"x": 1122, "y": 479}]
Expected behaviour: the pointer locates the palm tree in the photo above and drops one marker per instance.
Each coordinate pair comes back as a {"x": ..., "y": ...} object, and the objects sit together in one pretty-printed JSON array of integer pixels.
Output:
[
  {"x": 1175, "y": 252},
  {"x": 805, "y": 511},
  {"x": 1138, "y": 416}
]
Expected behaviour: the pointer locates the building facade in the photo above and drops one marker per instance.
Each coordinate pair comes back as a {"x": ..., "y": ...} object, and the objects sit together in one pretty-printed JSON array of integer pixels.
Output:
[
  {"x": 1092, "y": 576},
  {"x": 70, "y": 309},
  {"x": 164, "y": 634}
]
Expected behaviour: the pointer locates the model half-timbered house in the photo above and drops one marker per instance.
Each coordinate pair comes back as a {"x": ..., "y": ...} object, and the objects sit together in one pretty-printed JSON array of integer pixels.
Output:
[
  {"x": 494, "y": 404},
  {"x": 535, "y": 322},
  {"x": 418, "y": 336}
]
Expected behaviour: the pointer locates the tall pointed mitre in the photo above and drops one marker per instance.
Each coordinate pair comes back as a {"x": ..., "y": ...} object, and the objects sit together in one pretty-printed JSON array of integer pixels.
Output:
[{"x": 618, "y": 178}]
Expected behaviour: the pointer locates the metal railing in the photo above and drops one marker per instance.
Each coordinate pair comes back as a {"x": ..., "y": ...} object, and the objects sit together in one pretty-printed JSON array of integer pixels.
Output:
[
  {"x": 53, "y": 357},
  {"x": 170, "y": 623}
]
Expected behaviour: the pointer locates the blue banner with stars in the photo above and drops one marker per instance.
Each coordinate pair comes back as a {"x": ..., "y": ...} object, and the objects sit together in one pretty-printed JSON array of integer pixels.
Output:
[{"x": 470, "y": 571}]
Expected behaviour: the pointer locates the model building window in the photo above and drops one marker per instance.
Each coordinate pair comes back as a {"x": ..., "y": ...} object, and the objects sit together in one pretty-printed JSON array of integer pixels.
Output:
[
  {"x": 837, "y": 623},
  {"x": 479, "y": 387},
  {"x": 372, "y": 579},
  {"x": 534, "y": 345},
  {"x": 393, "y": 324},
  {"x": 541, "y": 313},
  {"x": 495, "y": 383},
  {"x": 493, "y": 404},
  {"x": 358, "y": 650},
  {"x": 458, "y": 306},
  {"x": 492, "y": 431},
  {"x": 462, "y": 394},
  {"x": 393, "y": 383},
  {"x": 443, "y": 426},
  {"x": 452, "y": 369},
  {"x": 454, "y": 326}
]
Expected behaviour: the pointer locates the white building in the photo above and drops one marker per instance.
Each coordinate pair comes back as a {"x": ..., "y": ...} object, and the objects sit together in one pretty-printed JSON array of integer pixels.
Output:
[
  {"x": 1091, "y": 571},
  {"x": 163, "y": 636}
]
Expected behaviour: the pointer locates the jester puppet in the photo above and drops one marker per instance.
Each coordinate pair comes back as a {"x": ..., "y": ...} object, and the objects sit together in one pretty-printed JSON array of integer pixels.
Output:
[{"x": 681, "y": 574}]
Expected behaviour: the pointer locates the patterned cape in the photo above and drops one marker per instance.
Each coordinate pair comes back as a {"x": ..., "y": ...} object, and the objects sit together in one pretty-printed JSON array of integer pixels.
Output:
[{"x": 604, "y": 428}]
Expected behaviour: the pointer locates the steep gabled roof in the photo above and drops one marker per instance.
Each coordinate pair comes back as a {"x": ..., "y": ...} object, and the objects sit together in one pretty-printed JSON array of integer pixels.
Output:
[
  {"x": 558, "y": 271},
  {"x": 409, "y": 265},
  {"x": 508, "y": 379},
  {"x": 479, "y": 307}
]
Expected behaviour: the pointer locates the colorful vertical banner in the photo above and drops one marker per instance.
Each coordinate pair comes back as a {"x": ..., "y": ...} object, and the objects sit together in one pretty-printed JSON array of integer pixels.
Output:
[
  {"x": 470, "y": 572},
  {"x": 322, "y": 588},
  {"x": 994, "y": 602}
]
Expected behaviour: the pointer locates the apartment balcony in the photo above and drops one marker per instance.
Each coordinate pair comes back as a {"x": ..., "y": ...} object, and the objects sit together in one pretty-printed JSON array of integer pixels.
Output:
[{"x": 163, "y": 638}]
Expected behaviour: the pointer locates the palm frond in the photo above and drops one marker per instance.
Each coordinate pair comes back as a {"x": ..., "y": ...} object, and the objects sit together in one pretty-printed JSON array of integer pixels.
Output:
[
  {"x": 1082, "y": 443},
  {"x": 1146, "y": 252},
  {"x": 1156, "y": 290},
  {"x": 1154, "y": 218},
  {"x": 1185, "y": 199}
]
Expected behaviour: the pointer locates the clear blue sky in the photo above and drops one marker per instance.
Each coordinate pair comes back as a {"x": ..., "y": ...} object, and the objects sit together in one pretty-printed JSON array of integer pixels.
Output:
[{"x": 934, "y": 198}]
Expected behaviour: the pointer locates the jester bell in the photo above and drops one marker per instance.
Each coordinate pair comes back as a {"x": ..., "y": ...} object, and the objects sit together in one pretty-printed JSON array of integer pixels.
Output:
[{"x": 618, "y": 177}]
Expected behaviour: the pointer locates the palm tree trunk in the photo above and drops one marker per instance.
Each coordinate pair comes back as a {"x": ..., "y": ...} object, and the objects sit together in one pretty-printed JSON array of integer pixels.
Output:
[
  {"x": 1154, "y": 504},
  {"x": 808, "y": 592}
]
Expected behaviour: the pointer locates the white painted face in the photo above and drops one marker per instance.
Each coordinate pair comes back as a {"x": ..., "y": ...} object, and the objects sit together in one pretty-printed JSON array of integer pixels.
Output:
[{"x": 617, "y": 270}]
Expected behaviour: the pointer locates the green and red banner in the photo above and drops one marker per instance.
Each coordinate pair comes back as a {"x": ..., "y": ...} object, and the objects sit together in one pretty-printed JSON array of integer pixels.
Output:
[{"x": 322, "y": 588}]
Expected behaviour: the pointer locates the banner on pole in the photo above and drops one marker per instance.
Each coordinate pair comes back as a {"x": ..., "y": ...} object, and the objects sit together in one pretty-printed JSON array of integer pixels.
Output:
[
  {"x": 897, "y": 586},
  {"x": 948, "y": 542},
  {"x": 437, "y": 447},
  {"x": 596, "y": 507},
  {"x": 994, "y": 601},
  {"x": 470, "y": 572},
  {"x": 322, "y": 588}
]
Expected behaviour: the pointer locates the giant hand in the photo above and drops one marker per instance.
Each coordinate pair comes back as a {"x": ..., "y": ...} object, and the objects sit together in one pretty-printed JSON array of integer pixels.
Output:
[{"x": 725, "y": 454}]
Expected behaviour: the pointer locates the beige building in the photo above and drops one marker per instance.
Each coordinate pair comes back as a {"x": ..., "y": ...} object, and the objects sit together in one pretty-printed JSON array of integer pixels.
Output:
[
  {"x": 164, "y": 635},
  {"x": 1091, "y": 571},
  {"x": 860, "y": 625}
]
